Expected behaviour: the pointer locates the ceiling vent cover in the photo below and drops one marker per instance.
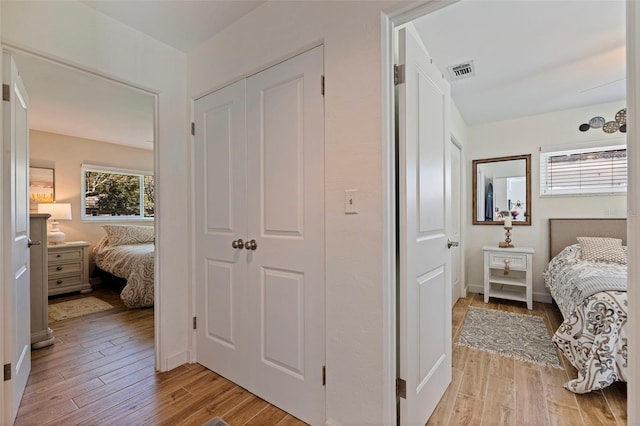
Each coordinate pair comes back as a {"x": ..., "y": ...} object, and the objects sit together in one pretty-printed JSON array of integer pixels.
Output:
[{"x": 462, "y": 71}]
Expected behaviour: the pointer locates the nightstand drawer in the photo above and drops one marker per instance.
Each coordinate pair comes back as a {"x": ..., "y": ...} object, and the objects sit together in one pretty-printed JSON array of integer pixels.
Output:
[
  {"x": 515, "y": 261},
  {"x": 59, "y": 256},
  {"x": 61, "y": 282},
  {"x": 64, "y": 268}
]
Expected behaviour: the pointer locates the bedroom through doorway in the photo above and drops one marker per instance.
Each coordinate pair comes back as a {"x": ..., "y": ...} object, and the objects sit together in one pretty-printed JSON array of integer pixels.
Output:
[{"x": 91, "y": 169}]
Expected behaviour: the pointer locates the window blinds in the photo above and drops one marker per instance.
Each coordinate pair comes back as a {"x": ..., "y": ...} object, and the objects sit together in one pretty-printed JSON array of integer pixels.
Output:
[{"x": 593, "y": 170}]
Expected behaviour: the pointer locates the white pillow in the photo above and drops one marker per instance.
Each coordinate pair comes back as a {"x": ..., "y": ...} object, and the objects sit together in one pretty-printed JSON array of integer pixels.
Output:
[
  {"x": 598, "y": 249},
  {"x": 118, "y": 235}
]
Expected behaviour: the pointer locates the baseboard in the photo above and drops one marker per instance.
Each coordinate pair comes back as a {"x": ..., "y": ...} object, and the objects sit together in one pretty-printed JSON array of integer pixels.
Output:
[
  {"x": 331, "y": 422},
  {"x": 537, "y": 296},
  {"x": 176, "y": 360}
]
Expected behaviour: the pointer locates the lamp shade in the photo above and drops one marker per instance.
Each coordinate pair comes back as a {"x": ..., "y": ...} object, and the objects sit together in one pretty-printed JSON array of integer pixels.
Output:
[{"x": 58, "y": 211}]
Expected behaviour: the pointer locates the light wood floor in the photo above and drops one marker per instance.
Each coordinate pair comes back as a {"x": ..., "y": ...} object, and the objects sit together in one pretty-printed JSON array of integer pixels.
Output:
[
  {"x": 100, "y": 371},
  {"x": 490, "y": 389}
]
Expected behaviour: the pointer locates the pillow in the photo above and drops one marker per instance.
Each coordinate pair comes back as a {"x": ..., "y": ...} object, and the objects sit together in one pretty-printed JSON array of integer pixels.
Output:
[
  {"x": 599, "y": 249},
  {"x": 118, "y": 235}
]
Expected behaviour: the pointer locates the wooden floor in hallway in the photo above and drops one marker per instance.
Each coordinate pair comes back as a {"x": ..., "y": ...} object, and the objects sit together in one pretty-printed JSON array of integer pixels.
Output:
[
  {"x": 490, "y": 389},
  {"x": 100, "y": 371}
]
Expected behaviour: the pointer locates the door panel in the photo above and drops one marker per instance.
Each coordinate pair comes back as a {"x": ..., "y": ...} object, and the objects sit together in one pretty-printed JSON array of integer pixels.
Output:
[
  {"x": 285, "y": 138},
  {"x": 220, "y": 199},
  {"x": 16, "y": 282},
  {"x": 456, "y": 221},
  {"x": 425, "y": 274}
]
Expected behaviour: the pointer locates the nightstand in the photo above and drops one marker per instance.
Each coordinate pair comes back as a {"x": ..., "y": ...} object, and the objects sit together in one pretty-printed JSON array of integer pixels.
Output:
[
  {"x": 507, "y": 274},
  {"x": 68, "y": 268}
]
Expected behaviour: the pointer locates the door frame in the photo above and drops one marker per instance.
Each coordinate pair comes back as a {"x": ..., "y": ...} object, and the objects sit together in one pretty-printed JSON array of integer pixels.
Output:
[
  {"x": 462, "y": 290},
  {"x": 401, "y": 15},
  {"x": 156, "y": 161}
]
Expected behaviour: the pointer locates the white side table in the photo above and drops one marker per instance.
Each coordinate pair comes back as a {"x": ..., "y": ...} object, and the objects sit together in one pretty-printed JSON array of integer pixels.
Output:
[{"x": 507, "y": 273}]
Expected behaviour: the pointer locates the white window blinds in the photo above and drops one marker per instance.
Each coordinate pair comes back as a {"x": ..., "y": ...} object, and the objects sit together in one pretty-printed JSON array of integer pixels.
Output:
[{"x": 584, "y": 171}]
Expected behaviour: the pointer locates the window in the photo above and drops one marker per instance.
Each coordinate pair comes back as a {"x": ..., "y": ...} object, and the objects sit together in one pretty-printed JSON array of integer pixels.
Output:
[
  {"x": 116, "y": 194},
  {"x": 588, "y": 170}
]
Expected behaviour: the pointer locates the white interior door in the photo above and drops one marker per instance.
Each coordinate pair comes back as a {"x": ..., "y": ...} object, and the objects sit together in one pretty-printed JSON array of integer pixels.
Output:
[
  {"x": 455, "y": 225},
  {"x": 221, "y": 220},
  {"x": 425, "y": 274},
  {"x": 16, "y": 330},
  {"x": 260, "y": 309}
]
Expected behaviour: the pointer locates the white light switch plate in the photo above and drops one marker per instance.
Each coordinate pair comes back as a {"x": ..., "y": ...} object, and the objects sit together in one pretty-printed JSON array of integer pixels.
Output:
[{"x": 351, "y": 201}]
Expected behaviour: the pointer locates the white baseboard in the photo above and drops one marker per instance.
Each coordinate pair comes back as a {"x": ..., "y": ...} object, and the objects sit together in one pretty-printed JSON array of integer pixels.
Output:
[
  {"x": 176, "y": 360},
  {"x": 537, "y": 296}
]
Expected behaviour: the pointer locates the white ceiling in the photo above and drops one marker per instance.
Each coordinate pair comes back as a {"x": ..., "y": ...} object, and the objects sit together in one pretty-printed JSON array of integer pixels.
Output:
[
  {"x": 531, "y": 57},
  {"x": 182, "y": 24}
]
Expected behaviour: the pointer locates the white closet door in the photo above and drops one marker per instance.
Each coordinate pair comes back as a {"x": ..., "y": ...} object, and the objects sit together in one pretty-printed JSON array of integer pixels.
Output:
[
  {"x": 285, "y": 138},
  {"x": 221, "y": 218}
]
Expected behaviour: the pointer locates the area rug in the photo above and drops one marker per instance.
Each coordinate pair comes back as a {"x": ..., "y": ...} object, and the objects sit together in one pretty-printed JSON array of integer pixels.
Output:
[
  {"x": 216, "y": 421},
  {"x": 77, "y": 307},
  {"x": 523, "y": 337}
]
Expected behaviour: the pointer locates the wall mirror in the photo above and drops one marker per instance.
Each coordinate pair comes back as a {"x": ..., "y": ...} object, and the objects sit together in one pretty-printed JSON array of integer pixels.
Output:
[{"x": 501, "y": 188}]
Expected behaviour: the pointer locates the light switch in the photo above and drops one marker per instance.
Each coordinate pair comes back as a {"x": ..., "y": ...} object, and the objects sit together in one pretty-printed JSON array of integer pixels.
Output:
[{"x": 351, "y": 201}]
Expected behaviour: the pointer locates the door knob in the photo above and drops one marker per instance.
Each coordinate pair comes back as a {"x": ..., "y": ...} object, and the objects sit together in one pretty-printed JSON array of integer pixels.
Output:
[
  {"x": 452, "y": 244},
  {"x": 238, "y": 244},
  {"x": 32, "y": 243},
  {"x": 251, "y": 245}
]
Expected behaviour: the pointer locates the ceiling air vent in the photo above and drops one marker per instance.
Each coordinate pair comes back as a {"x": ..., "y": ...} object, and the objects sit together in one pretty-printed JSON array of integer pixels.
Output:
[{"x": 461, "y": 71}]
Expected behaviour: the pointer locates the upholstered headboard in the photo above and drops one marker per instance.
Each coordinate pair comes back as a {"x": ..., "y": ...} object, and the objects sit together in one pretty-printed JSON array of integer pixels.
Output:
[{"x": 563, "y": 232}]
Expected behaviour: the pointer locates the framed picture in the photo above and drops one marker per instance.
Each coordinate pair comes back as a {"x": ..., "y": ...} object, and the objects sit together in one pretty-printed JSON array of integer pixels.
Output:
[{"x": 42, "y": 188}]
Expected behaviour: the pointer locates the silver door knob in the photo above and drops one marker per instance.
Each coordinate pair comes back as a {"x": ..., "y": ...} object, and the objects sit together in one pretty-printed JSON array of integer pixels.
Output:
[
  {"x": 32, "y": 243},
  {"x": 238, "y": 244},
  {"x": 251, "y": 245},
  {"x": 452, "y": 244}
]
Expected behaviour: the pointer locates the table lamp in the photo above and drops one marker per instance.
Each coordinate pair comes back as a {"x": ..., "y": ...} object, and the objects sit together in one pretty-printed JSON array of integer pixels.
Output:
[{"x": 58, "y": 211}]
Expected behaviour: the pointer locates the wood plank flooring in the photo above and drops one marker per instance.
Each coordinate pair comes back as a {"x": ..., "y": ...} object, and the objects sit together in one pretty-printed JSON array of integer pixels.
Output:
[
  {"x": 489, "y": 389},
  {"x": 101, "y": 372}
]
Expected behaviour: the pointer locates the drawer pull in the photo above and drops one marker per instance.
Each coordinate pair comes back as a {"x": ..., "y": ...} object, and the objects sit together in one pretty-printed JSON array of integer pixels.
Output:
[
  {"x": 59, "y": 268},
  {"x": 59, "y": 282},
  {"x": 58, "y": 255}
]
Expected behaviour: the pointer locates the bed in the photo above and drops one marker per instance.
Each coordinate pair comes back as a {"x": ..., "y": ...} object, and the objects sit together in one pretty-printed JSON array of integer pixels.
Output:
[
  {"x": 587, "y": 278},
  {"x": 127, "y": 251}
]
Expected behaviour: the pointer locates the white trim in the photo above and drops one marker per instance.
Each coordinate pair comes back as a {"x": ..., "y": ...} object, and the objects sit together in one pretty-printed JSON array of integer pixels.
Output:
[
  {"x": 633, "y": 206},
  {"x": 114, "y": 169},
  {"x": 176, "y": 360}
]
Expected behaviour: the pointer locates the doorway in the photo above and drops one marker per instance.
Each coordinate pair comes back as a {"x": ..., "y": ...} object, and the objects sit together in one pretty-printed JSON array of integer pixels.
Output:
[{"x": 78, "y": 119}]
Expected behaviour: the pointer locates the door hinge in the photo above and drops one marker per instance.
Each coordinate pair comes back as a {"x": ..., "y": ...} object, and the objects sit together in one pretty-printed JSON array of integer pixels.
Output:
[
  {"x": 195, "y": 323},
  {"x": 398, "y": 74},
  {"x": 6, "y": 92},
  {"x": 193, "y": 128},
  {"x": 324, "y": 375},
  {"x": 401, "y": 388},
  {"x": 322, "y": 85},
  {"x": 7, "y": 372}
]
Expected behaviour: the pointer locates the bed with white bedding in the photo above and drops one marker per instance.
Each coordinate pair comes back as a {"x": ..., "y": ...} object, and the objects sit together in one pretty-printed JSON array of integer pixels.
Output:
[
  {"x": 590, "y": 291},
  {"x": 127, "y": 251}
]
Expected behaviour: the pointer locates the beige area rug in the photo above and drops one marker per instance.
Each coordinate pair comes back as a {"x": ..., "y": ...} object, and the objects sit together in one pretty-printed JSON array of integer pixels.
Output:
[
  {"x": 77, "y": 307},
  {"x": 216, "y": 421}
]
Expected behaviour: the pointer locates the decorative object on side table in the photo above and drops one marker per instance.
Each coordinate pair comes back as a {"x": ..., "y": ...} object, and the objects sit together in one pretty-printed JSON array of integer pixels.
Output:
[
  {"x": 508, "y": 225},
  {"x": 58, "y": 211}
]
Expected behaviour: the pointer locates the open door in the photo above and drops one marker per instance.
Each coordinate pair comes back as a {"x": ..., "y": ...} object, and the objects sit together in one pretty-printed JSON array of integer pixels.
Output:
[
  {"x": 424, "y": 357},
  {"x": 16, "y": 327}
]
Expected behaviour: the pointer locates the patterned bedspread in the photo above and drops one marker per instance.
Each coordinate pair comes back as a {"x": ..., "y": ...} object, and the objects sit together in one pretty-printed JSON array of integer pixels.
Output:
[
  {"x": 593, "y": 336},
  {"x": 134, "y": 262}
]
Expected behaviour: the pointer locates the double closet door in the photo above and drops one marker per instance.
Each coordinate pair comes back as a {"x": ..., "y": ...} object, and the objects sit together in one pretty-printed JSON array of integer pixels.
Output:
[{"x": 259, "y": 224}]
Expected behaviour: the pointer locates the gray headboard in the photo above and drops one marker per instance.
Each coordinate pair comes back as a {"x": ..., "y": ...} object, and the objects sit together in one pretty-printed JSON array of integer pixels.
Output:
[{"x": 563, "y": 232}]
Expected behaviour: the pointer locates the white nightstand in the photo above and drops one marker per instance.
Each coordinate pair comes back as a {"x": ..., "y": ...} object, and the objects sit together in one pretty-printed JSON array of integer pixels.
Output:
[
  {"x": 516, "y": 284},
  {"x": 68, "y": 268}
]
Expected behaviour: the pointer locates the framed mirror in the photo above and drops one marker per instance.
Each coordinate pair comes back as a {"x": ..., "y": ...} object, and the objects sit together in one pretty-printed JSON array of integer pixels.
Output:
[{"x": 501, "y": 188}]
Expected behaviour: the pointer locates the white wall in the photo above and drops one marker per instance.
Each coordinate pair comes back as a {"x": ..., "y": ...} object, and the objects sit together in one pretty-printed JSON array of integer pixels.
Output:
[
  {"x": 76, "y": 34},
  {"x": 526, "y": 136},
  {"x": 66, "y": 154},
  {"x": 350, "y": 32}
]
